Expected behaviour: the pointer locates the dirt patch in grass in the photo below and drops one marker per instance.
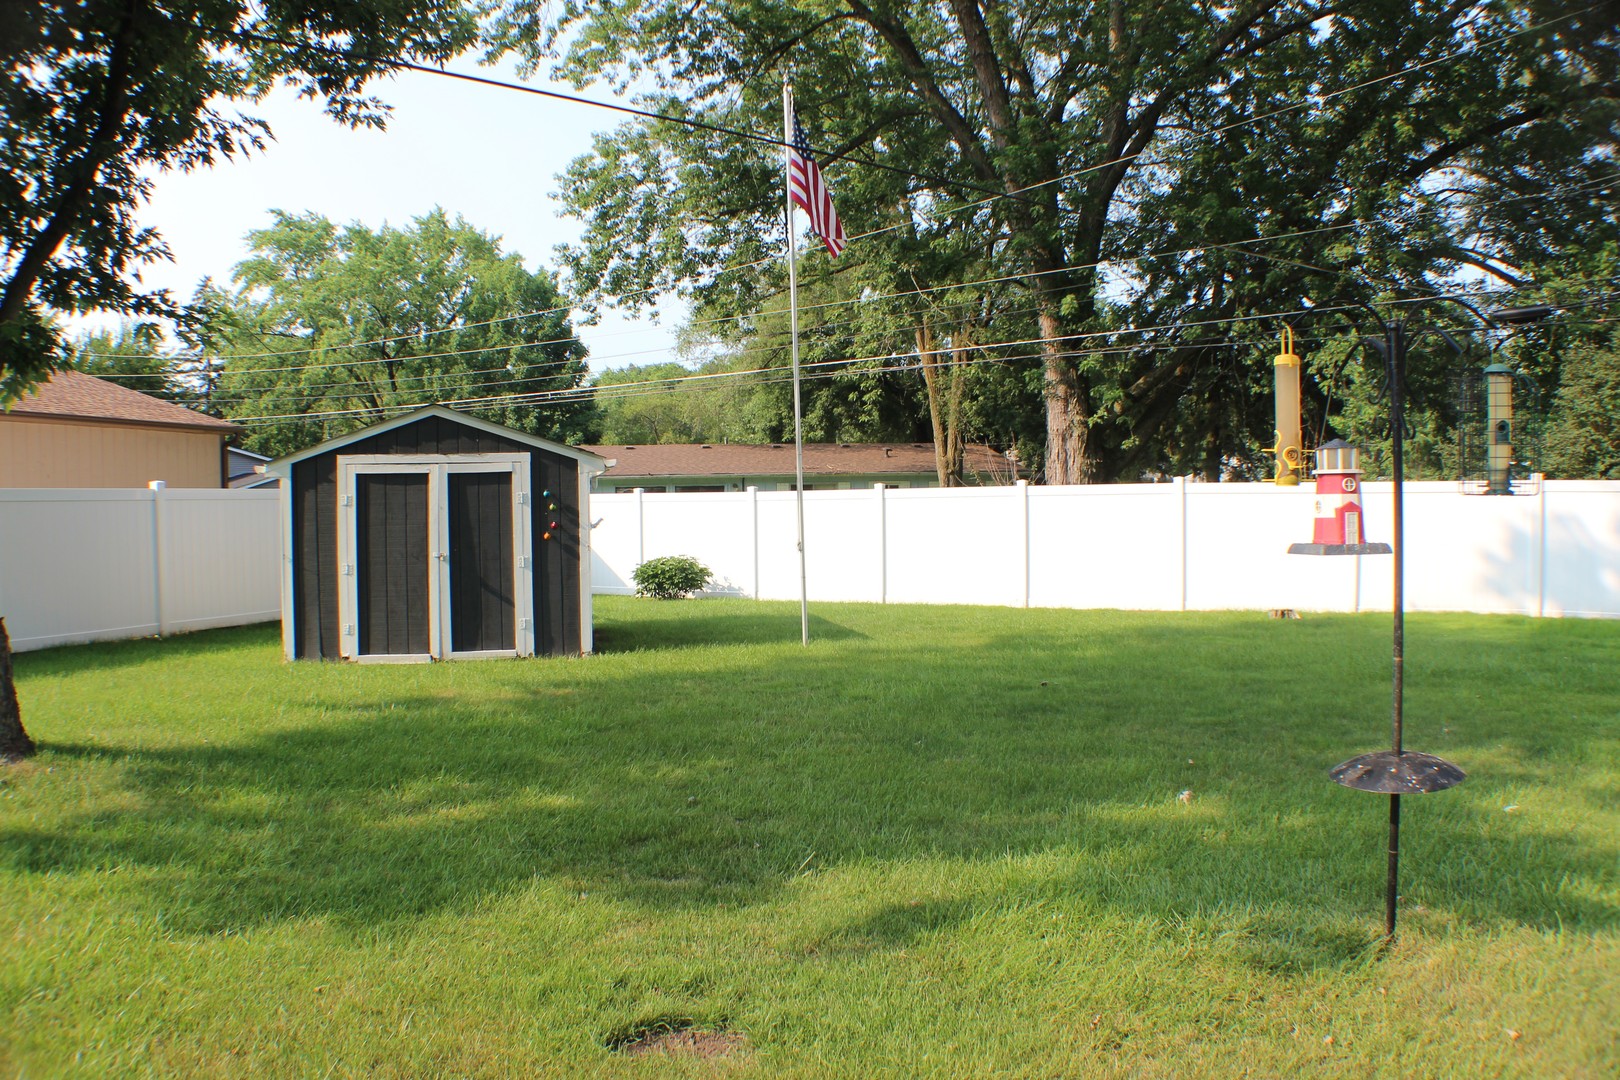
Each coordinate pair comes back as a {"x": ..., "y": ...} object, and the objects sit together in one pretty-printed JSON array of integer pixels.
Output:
[{"x": 678, "y": 1036}]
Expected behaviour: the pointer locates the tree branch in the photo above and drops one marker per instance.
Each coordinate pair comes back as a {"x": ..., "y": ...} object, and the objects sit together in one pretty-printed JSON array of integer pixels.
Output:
[
  {"x": 1455, "y": 146},
  {"x": 986, "y": 69},
  {"x": 1480, "y": 260},
  {"x": 773, "y": 55},
  {"x": 80, "y": 174},
  {"x": 911, "y": 60}
]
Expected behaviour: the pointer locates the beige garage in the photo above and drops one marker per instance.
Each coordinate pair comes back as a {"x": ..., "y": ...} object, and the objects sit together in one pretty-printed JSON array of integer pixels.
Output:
[{"x": 78, "y": 431}]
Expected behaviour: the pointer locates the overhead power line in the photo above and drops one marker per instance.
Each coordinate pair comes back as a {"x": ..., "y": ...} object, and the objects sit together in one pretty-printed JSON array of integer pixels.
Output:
[
  {"x": 1235, "y": 245},
  {"x": 894, "y": 362},
  {"x": 1238, "y": 246},
  {"x": 684, "y": 121}
]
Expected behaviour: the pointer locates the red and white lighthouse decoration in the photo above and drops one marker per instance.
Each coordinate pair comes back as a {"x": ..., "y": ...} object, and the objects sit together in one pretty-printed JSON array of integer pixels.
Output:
[
  {"x": 1338, "y": 494},
  {"x": 1338, "y": 529}
]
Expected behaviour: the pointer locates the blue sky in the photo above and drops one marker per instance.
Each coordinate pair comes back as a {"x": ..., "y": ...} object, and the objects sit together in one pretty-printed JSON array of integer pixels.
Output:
[{"x": 488, "y": 154}]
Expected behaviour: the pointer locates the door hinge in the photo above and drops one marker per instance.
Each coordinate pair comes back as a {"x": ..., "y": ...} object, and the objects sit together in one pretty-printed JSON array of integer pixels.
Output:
[
  {"x": 345, "y": 500},
  {"x": 523, "y": 624},
  {"x": 523, "y": 562},
  {"x": 348, "y": 569},
  {"x": 348, "y": 629},
  {"x": 523, "y": 498}
]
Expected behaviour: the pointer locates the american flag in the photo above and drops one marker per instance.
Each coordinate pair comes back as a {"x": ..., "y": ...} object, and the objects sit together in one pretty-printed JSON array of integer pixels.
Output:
[{"x": 808, "y": 190}]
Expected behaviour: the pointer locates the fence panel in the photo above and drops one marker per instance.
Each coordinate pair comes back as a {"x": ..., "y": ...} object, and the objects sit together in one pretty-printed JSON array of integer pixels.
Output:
[
  {"x": 1238, "y": 537},
  {"x": 1106, "y": 547},
  {"x": 1580, "y": 536},
  {"x": 1162, "y": 547},
  {"x": 84, "y": 564},
  {"x": 94, "y": 564},
  {"x": 220, "y": 555},
  {"x": 716, "y": 529},
  {"x": 955, "y": 546}
]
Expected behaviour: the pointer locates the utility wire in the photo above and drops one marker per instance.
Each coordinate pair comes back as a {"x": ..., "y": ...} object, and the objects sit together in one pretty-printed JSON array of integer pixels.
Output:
[
  {"x": 891, "y": 362},
  {"x": 504, "y": 377},
  {"x": 496, "y": 378},
  {"x": 1237, "y": 245},
  {"x": 701, "y": 125},
  {"x": 337, "y": 53}
]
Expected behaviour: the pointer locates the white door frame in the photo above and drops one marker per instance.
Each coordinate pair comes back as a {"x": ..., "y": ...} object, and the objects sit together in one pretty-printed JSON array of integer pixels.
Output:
[{"x": 437, "y": 468}]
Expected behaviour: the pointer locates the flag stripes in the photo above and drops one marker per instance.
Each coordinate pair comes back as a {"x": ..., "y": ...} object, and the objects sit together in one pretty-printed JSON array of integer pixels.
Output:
[{"x": 807, "y": 190}]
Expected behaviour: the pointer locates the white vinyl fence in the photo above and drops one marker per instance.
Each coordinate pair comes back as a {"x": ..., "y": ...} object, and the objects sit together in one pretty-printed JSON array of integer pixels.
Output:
[
  {"x": 1165, "y": 547},
  {"x": 90, "y": 564},
  {"x": 84, "y": 565}
]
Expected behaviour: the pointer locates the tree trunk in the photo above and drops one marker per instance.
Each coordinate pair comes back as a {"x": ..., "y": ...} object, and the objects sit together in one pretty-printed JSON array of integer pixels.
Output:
[
  {"x": 1071, "y": 458},
  {"x": 930, "y": 381},
  {"x": 944, "y": 407},
  {"x": 955, "y": 444},
  {"x": 14, "y": 741}
]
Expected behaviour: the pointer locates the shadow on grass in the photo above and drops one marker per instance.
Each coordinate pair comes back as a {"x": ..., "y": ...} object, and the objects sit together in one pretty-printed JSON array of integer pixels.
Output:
[
  {"x": 720, "y": 622},
  {"x": 670, "y": 794},
  {"x": 75, "y": 660}
]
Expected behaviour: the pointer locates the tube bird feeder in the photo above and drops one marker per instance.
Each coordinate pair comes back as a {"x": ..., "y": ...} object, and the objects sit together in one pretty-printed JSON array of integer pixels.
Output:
[
  {"x": 1288, "y": 447},
  {"x": 1499, "y": 430}
]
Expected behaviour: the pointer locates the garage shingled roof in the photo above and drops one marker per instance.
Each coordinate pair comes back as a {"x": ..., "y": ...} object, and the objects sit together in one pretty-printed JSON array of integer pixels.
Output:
[{"x": 73, "y": 395}]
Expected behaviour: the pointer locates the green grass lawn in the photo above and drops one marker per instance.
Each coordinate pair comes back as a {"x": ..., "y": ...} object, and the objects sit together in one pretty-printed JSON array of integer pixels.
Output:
[{"x": 941, "y": 841}]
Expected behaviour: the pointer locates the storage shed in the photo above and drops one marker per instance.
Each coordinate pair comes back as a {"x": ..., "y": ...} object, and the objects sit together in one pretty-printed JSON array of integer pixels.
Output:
[{"x": 432, "y": 536}]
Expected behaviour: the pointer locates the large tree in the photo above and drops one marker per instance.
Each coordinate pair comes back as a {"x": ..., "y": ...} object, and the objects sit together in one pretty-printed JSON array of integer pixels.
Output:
[
  {"x": 99, "y": 95},
  {"x": 333, "y": 328},
  {"x": 14, "y": 741},
  {"x": 137, "y": 356},
  {"x": 1185, "y": 166}
]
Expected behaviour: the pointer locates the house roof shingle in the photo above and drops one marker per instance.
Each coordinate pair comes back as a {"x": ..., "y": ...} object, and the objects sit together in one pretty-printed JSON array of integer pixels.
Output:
[
  {"x": 820, "y": 459},
  {"x": 77, "y": 396}
]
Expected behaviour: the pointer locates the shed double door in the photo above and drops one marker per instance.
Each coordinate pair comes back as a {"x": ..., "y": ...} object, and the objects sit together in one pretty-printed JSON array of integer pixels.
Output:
[{"x": 437, "y": 561}]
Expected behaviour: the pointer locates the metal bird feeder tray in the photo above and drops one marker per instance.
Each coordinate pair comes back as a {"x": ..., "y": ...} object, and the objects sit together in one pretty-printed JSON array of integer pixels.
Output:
[{"x": 1397, "y": 772}]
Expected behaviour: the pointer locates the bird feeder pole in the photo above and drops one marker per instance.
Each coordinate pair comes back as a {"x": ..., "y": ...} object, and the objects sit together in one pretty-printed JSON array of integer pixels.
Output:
[{"x": 1396, "y": 770}]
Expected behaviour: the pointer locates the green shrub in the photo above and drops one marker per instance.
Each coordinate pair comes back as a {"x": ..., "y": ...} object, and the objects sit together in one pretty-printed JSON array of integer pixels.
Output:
[{"x": 670, "y": 577}]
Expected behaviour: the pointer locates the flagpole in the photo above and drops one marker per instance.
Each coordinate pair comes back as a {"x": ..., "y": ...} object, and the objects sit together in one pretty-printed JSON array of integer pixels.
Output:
[{"x": 793, "y": 324}]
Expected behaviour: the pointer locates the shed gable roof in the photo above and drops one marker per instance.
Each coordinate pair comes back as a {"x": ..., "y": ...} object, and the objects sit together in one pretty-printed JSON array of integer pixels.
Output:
[
  {"x": 73, "y": 395},
  {"x": 282, "y": 466}
]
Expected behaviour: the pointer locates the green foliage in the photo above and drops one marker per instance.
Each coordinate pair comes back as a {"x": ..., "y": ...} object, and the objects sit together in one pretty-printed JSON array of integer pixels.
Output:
[
  {"x": 1171, "y": 190},
  {"x": 331, "y": 327},
  {"x": 1583, "y": 436},
  {"x": 135, "y": 356},
  {"x": 644, "y": 405},
  {"x": 98, "y": 96},
  {"x": 670, "y": 577}
]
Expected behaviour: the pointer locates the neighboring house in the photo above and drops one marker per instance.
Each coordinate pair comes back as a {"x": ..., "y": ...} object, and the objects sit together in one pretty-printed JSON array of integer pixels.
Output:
[
  {"x": 78, "y": 431},
  {"x": 246, "y": 468},
  {"x": 732, "y": 467}
]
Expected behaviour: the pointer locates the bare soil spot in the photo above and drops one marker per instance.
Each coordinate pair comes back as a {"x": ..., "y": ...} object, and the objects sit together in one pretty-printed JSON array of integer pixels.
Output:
[{"x": 678, "y": 1036}]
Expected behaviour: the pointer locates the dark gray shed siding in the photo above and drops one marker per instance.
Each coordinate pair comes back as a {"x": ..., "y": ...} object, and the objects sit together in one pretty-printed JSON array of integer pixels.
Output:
[{"x": 316, "y": 632}]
